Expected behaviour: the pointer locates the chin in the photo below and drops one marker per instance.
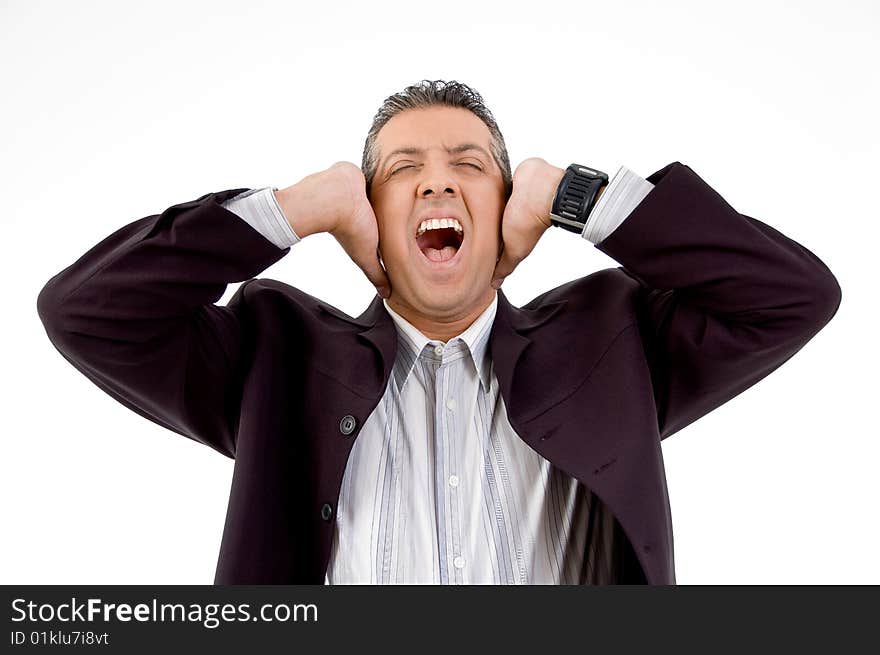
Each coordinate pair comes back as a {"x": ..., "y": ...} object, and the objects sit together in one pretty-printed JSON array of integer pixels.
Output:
[{"x": 444, "y": 298}]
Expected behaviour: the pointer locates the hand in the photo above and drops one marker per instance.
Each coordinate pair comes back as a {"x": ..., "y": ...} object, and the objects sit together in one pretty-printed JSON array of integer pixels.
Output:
[
  {"x": 335, "y": 201},
  {"x": 527, "y": 214}
]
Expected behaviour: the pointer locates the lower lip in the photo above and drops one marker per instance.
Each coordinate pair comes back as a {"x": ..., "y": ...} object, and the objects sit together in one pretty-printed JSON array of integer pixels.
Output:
[{"x": 450, "y": 263}]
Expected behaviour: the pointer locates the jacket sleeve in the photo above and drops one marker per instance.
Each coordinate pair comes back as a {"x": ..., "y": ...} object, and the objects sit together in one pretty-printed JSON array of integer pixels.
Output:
[
  {"x": 724, "y": 299},
  {"x": 136, "y": 315}
]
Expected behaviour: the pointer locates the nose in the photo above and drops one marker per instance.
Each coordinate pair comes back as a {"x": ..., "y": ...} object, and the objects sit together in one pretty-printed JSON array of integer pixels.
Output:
[
  {"x": 437, "y": 184},
  {"x": 429, "y": 190}
]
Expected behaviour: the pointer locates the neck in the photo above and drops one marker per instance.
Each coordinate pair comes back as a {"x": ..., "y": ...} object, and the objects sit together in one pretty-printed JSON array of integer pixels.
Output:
[{"x": 442, "y": 328}]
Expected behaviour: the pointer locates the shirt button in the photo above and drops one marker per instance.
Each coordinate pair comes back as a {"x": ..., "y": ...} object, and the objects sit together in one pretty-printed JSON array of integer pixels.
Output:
[
  {"x": 450, "y": 403},
  {"x": 326, "y": 511},
  {"x": 458, "y": 562},
  {"x": 438, "y": 350},
  {"x": 453, "y": 480}
]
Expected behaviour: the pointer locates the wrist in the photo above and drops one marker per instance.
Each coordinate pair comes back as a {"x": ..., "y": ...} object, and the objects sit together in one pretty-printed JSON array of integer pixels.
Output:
[
  {"x": 297, "y": 209},
  {"x": 553, "y": 179},
  {"x": 576, "y": 196}
]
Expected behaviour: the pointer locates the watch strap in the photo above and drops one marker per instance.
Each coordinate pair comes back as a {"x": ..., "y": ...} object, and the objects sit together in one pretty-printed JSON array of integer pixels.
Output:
[{"x": 575, "y": 197}]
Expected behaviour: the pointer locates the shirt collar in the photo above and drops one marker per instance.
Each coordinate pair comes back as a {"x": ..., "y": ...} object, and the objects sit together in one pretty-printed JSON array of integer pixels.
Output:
[{"x": 476, "y": 337}]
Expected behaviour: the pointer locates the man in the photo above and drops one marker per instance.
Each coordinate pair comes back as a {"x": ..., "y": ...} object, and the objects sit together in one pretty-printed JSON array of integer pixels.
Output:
[{"x": 443, "y": 436}]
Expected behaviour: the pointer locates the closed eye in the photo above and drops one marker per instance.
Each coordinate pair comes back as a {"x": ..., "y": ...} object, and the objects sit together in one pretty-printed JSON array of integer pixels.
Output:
[{"x": 411, "y": 166}]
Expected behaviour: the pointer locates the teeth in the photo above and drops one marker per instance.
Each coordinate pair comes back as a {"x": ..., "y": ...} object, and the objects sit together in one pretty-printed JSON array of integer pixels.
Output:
[{"x": 438, "y": 223}]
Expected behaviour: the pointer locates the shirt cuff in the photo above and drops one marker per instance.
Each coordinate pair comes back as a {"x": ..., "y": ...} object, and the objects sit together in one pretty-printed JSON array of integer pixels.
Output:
[
  {"x": 625, "y": 191},
  {"x": 260, "y": 209}
]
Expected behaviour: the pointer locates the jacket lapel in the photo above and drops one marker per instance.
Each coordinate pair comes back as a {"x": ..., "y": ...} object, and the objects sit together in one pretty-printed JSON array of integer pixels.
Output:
[
  {"x": 509, "y": 339},
  {"x": 375, "y": 327},
  {"x": 378, "y": 329}
]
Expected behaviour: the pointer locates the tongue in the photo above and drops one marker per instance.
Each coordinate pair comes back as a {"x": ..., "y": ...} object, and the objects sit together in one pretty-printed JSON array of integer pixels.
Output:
[{"x": 440, "y": 255}]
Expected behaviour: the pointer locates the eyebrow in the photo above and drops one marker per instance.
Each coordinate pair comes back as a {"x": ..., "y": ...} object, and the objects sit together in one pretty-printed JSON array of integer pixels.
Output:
[{"x": 454, "y": 150}]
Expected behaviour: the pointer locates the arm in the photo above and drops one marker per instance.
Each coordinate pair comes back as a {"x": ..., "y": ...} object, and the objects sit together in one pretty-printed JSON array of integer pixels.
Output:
[
  {"x": 614, "y": 203},
  {"x": 527, "y": 213},
  {"x": 259, "y": 208},
  {"x": 724, "y": 298},
  {"x": 135, "y": 315}
]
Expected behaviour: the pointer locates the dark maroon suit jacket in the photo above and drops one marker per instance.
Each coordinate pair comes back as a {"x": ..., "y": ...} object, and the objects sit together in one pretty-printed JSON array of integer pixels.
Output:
[{"x": 594, "y": 373}]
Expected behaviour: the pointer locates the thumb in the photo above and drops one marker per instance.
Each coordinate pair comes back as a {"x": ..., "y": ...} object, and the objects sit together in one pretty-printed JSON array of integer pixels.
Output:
[
  {"x": 372, "y": 267},
  {"x": 503, "y": 268}
]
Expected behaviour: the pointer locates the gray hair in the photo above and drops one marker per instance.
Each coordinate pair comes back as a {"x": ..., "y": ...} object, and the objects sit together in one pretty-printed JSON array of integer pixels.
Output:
[{"x": 428, "y": 93}]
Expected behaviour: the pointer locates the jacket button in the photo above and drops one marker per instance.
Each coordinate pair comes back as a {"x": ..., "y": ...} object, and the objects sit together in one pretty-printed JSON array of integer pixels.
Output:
[
  {"x": 326, "y": 512},
  {"x": 347, "y": 424}
]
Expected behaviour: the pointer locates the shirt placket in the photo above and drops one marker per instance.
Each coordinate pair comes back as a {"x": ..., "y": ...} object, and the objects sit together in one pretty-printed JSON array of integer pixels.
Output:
[{"x": 447, "y": 437}]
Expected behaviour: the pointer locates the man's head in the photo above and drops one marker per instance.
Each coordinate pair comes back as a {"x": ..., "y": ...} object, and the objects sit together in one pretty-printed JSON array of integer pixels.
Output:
[{"x": 434, "y": 151}]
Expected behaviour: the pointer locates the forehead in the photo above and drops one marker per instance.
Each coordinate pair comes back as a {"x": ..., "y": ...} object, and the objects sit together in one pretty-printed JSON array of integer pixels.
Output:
[{"x": 432, "y": 128}]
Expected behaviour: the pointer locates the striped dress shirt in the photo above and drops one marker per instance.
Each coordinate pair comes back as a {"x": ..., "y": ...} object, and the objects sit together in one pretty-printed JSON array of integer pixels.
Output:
[{"x": 438, "y": 487}]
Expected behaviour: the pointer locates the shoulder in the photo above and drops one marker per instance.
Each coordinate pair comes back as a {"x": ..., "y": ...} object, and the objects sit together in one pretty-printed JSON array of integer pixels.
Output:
[
  {"x": 611, "y": 291},
  {"x": 266, "y": 298}
]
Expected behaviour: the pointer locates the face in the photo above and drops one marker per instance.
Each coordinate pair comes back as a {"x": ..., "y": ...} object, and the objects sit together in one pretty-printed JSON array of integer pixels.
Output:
[{"x": 438, "y": 273}]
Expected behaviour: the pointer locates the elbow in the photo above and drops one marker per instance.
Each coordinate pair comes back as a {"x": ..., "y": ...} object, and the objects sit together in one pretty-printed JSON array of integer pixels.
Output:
[
  {"x": 49, "y": 309},
  {"x": 826, "y": 295},
  {"x": 47, "y": 306}
]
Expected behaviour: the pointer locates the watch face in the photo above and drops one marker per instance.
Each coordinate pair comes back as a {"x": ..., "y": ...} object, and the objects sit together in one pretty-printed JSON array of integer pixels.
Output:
[
  {"x": 575, "y": 196},
  {"x": 589, "y": 171}
]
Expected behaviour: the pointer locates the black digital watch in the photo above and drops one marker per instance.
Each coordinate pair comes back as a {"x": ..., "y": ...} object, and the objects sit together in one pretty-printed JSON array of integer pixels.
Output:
[{"x": 575, "y": 197}]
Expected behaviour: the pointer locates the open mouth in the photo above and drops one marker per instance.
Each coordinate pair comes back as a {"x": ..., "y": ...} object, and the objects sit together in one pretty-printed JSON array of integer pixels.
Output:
[{"x": 440, "y": 244}]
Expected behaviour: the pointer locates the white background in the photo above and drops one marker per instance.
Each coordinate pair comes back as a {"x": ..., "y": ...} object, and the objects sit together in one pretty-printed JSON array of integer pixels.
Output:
[{"x": 113, "y": 112}]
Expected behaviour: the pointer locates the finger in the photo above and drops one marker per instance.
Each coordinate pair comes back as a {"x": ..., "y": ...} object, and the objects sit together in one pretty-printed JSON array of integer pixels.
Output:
[
  {"x": 371, "y": 266},
  {"x": 503, "y": 268}
]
